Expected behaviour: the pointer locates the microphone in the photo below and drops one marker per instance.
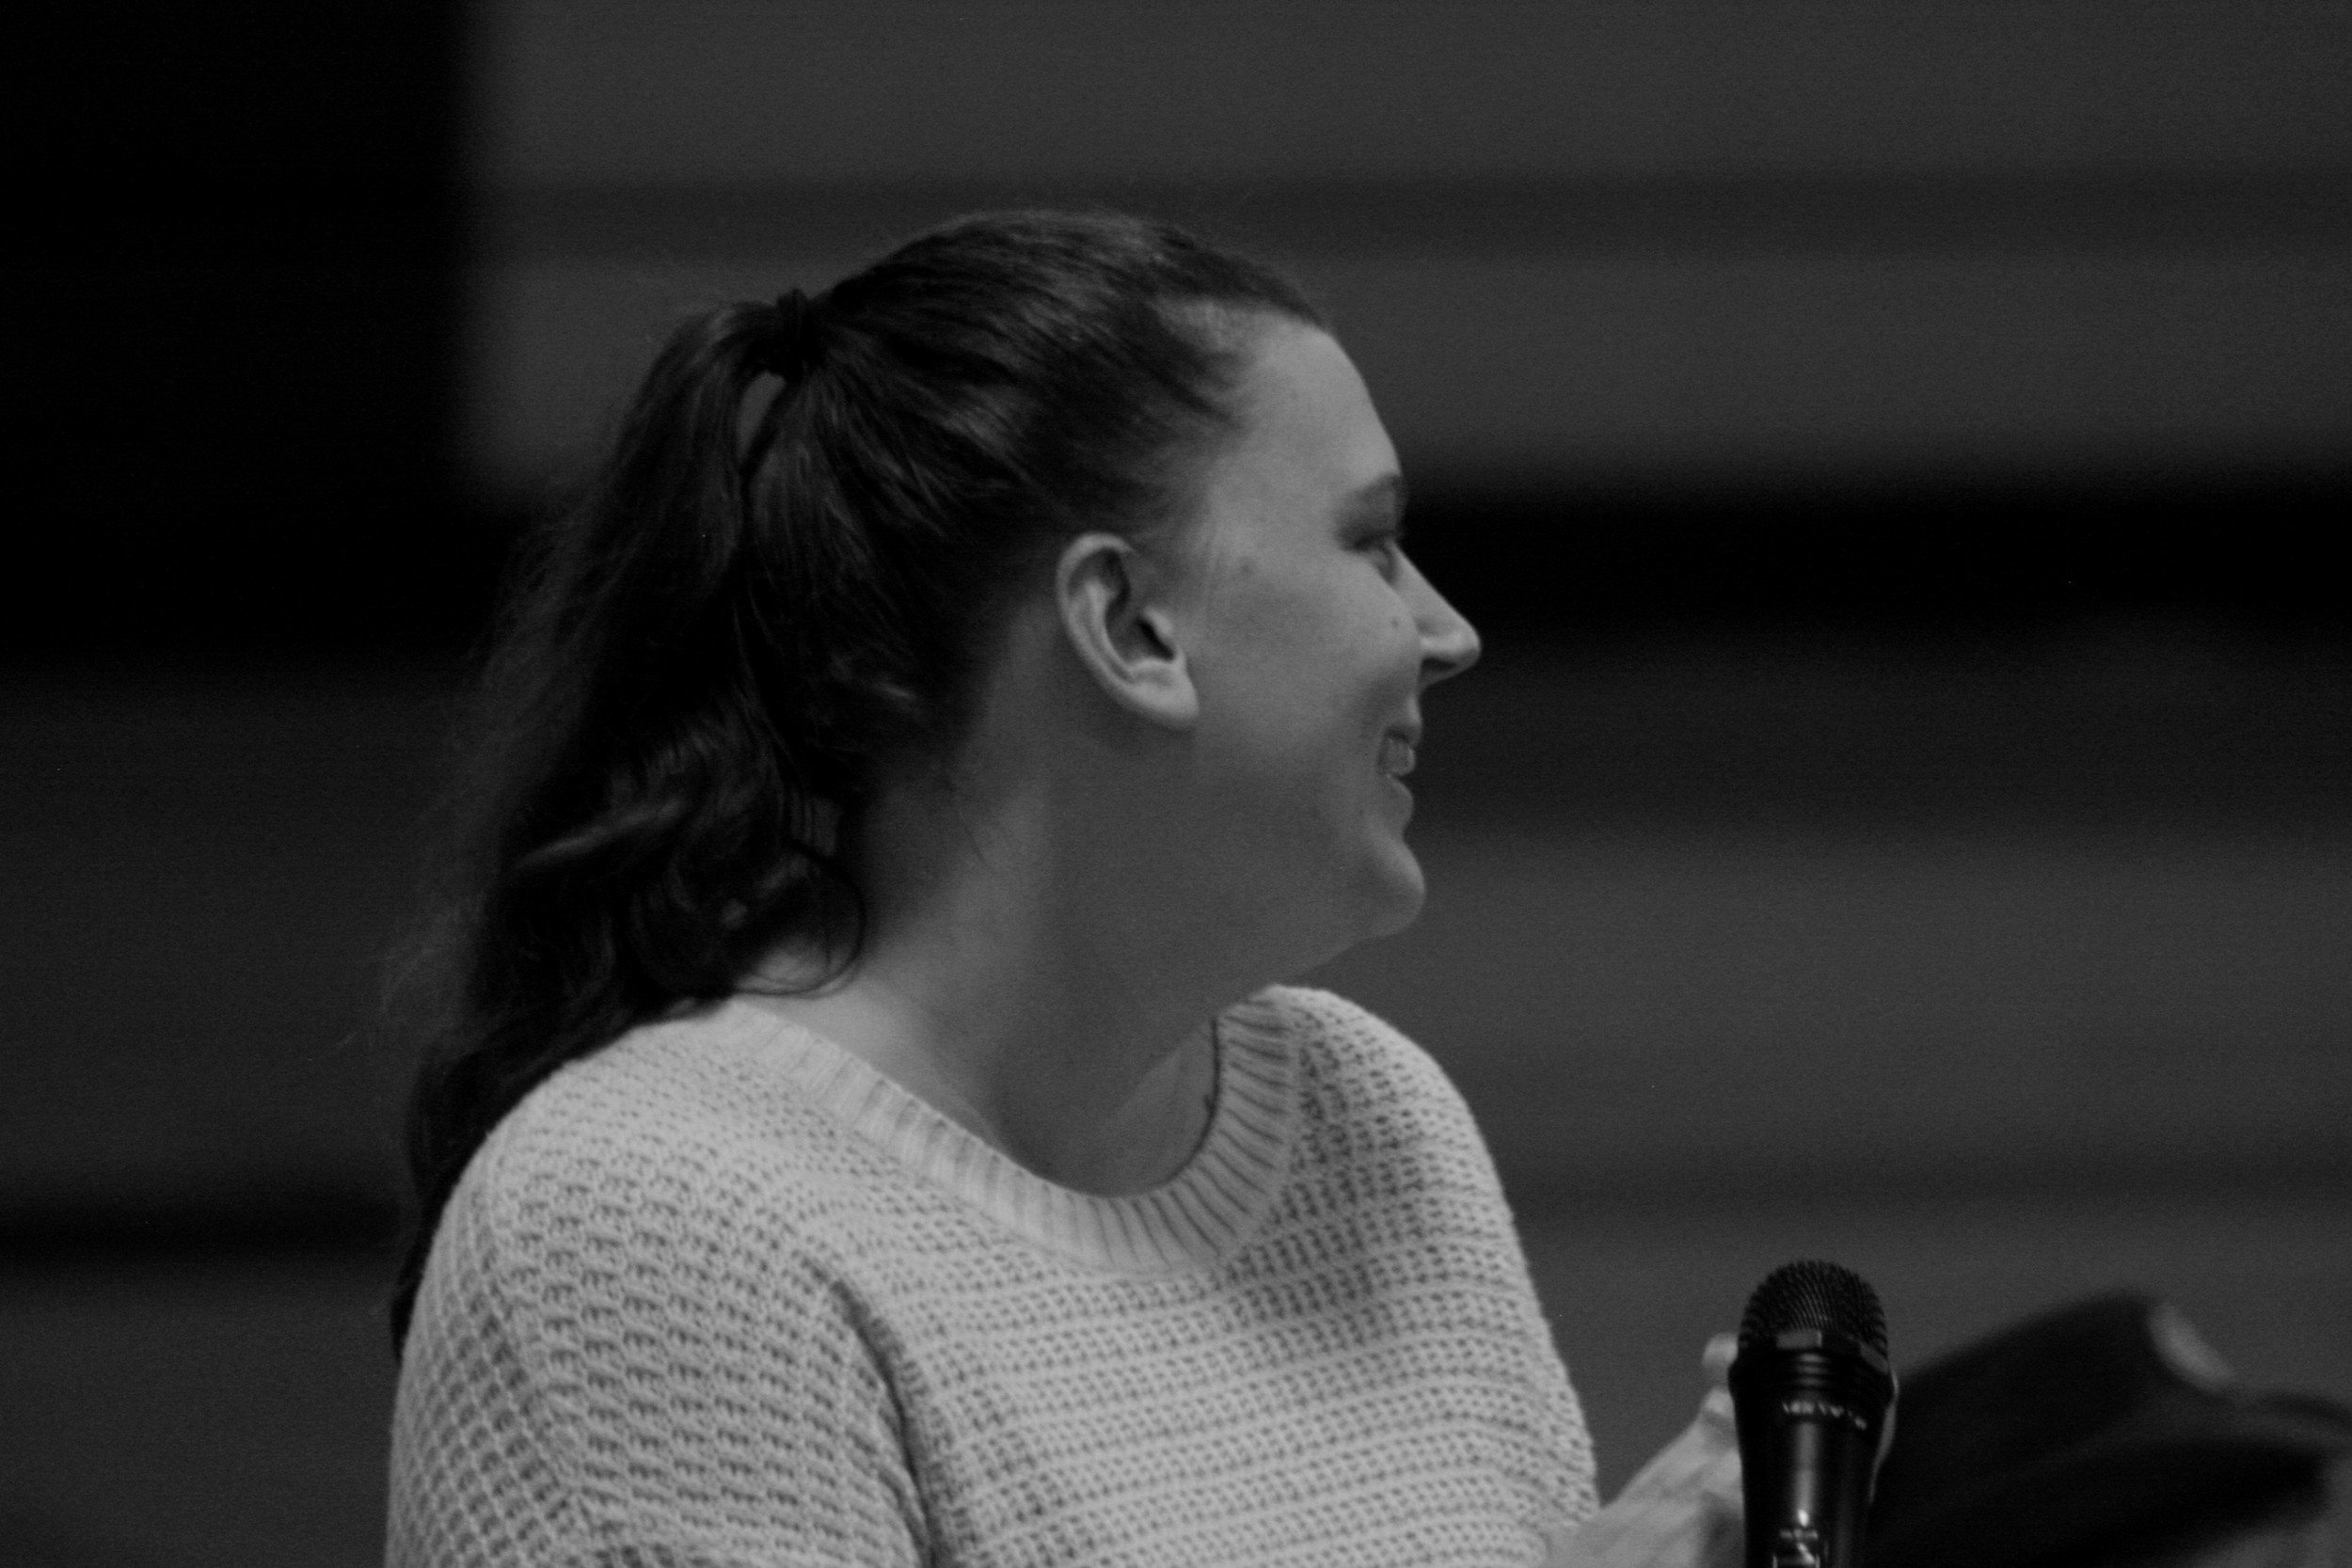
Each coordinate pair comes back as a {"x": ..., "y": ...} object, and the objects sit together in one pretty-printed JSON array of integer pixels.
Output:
[{"x": 1810, "y": 1388}]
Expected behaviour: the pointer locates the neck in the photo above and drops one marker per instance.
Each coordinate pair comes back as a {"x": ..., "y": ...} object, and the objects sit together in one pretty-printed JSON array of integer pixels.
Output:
[{"x": 1029, "y": 984}]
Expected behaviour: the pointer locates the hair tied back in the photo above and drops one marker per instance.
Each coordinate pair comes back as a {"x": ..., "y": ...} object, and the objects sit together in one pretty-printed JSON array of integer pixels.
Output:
[{"x": 789, "y": 347}]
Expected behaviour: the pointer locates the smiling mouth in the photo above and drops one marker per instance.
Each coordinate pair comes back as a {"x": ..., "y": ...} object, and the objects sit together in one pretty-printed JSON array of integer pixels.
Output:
[{"x": 1396, "y": 756}]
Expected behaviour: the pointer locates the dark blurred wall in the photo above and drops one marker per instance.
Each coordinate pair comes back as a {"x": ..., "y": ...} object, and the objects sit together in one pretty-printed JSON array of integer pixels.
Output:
[
  {"x": 237, "y": 282},
  {"x": 1677, "y": 312},
  {"x": 1708, "y": 310},
  {"x": 235, "y": 289}
]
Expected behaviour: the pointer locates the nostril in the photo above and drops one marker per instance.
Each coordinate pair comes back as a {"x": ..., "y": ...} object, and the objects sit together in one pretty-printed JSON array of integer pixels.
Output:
[
  {"x": 1471, "y": 647},
  {"x": 1450, "y": 644},
  {"x": 1454, "y": 650}
]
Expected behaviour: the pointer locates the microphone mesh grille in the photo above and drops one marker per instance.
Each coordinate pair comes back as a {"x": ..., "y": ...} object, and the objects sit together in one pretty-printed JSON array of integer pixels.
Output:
[{"x": 1815, "y": 1295}]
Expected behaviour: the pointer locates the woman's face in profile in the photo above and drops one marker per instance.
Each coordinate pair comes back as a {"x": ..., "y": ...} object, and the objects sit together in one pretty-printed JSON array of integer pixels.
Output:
[{"x": 1313, "y": 637}]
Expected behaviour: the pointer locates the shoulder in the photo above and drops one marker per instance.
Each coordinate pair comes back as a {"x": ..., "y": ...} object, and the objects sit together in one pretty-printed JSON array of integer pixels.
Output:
[
  {"x": 1357, "y": 1052},
  {"x": 640, "y": 1293},
  {"x": 635, "y": 1177},
  {"x": 1365, "y": 1090},
  {"x": 699, "y": 1108},
  {"x": 666, "y": 1210}
]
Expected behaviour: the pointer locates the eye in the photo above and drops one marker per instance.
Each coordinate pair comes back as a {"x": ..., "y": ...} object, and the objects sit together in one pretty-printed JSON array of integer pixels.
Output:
[{"x": 1387, "y": 551}]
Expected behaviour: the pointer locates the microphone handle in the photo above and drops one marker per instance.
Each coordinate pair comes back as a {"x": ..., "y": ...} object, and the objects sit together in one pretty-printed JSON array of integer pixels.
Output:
[{"x": 1809, "y": 1422}]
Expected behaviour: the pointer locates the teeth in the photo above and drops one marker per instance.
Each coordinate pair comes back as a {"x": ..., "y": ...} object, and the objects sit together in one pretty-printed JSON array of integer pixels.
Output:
[{"x": 1396, "y": 756}]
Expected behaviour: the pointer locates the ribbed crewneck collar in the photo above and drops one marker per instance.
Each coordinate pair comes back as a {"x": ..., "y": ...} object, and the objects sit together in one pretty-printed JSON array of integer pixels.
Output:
[{"x": 1195, "y": 1217}]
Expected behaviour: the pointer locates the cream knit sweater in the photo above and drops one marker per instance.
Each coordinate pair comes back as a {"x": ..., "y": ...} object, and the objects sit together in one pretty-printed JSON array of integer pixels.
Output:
[{"x": 720, "y": 1294}]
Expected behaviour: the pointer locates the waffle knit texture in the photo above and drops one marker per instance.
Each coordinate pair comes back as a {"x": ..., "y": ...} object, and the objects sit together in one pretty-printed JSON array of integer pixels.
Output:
[{"x": 721, "y": 1296}]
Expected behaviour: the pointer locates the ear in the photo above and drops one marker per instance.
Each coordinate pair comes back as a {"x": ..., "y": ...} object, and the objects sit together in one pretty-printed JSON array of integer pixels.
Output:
[{"x": 1104, "y": 588}]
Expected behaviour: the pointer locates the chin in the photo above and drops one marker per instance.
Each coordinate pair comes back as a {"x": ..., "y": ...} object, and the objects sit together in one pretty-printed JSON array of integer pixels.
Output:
[{"x": 1395, "y": 898}]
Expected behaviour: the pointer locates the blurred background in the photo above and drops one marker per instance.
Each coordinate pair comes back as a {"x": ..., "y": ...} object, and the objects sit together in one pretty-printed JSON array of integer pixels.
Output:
[{"x": 1905, "y": 815}]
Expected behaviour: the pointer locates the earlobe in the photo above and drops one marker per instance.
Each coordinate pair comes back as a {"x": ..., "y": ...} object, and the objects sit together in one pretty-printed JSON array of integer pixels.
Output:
[{"x": 1103, "y": 589}]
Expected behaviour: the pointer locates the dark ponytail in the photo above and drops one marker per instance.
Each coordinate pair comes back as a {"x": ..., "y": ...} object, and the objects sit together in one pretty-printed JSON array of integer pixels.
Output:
[{"x": 777, "y": 591}]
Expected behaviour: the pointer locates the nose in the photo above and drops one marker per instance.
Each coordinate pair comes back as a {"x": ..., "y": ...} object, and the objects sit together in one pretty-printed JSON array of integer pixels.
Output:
[{"x": 1449, "y": 643}]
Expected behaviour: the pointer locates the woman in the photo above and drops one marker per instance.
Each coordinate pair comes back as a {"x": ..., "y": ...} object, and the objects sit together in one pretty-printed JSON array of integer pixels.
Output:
[{"x": 864, "y": 1129}]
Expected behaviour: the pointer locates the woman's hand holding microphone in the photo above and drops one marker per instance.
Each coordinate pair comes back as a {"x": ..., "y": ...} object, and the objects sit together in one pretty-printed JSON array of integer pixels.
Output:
[{"x": 1683, "y": 1509}]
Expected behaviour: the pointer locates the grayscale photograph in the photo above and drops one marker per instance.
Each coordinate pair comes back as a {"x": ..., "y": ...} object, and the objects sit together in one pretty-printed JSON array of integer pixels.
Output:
[{"x": 1179, "y": 784}]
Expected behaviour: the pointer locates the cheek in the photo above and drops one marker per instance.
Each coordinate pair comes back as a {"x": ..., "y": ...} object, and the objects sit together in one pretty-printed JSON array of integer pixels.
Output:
[
  {"x": 1291, "y": 658},
  {"x": 1267, "y": 636},
  {"x": 1391, "y": 647}
]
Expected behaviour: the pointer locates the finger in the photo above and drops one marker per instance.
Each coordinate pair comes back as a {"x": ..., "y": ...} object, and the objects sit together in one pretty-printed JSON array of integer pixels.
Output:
[
  {"x": 1721, "y": 1477},
  {"x": 1684, "y": 1462},
  {"x": 1677, "y": 1466},
  {"x": 1721, "y": 1351}
]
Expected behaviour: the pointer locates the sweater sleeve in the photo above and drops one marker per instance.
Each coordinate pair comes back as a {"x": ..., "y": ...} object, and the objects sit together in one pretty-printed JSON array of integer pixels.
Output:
[{"x": 620, "y": 1361}]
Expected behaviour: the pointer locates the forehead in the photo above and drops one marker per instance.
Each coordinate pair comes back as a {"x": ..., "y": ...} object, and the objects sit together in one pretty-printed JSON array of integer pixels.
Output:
[
  {"x": 1308, "y": 442},
  {"x": 1306, "y": 417}
]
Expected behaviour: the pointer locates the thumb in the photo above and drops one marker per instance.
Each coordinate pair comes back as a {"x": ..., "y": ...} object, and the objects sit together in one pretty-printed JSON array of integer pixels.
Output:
[{"x": 1721, "y": 1351}]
